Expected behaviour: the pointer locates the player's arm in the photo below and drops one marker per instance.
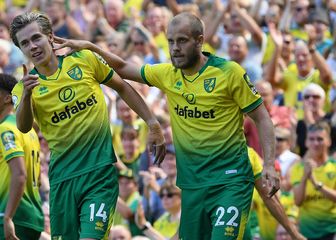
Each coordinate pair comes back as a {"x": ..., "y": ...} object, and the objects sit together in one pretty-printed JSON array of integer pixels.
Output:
[
  {"x": 266, "y": 135},
  {"x": 125, "y": 69},
  {"x": 135, "y": 101},
  {"x": 274, "y": 206},
  {"x": 16, "y": 189},
  {"x": 24, "y": 112}
]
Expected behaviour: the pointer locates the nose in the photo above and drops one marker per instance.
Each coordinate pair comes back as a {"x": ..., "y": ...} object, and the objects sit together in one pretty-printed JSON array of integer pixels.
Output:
[
  {"x": 32, "y": 46},
  {"x": 175, "y": 47}
]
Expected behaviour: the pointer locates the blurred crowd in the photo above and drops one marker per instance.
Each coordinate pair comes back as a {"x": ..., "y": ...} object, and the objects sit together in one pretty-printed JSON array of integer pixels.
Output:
[{"x": 288, "y": 49}]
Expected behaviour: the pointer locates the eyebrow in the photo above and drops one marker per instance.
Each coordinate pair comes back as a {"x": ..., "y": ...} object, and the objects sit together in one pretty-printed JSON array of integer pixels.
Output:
[{"x": 32, "y": 37}]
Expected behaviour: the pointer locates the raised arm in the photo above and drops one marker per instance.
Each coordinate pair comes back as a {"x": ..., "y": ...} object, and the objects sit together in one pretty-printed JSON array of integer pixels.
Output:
[
  {"x": 319, "y": 61},
  {"x": 266, "y": 135},
  {"x": 212, "y": 22},
  {"x": 272, "y": 73},
  {"x": 24, "y": 112},
  {"x": 124, "y": 69},
  {"x": 248, "y": 22},
  {"x": 286, "y": 17}
]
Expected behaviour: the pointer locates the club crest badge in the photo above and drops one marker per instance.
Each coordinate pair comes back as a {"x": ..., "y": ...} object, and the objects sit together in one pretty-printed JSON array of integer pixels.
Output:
[
  {"x": 75, "y": 73},
  {"x": 209, "y": 84}
]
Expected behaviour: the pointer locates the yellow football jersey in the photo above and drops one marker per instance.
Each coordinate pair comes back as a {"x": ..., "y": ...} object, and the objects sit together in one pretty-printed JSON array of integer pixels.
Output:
[
  {"x": 70, "y": 110},
  {"x": 206, "y": 112}
]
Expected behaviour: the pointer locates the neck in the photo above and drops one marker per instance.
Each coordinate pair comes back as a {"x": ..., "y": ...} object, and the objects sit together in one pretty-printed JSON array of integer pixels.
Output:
[
  {"x": 317, "y": 115},
  {"x": 320, "y": 159},
  {"x": 305, "y": 73},
  {"x": 50, "y": 67},
  {"x": 197, "y": 66},
  {"x": 175, "y": 214}
]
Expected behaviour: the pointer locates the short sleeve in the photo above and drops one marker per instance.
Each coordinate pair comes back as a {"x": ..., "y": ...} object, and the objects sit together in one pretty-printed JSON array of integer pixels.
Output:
[
  {"x": 157, "y": 74},
  {"x": 103, "y": 73},
  {"x": 10, "y": 145},
  {"x": 242, "y": 90}
]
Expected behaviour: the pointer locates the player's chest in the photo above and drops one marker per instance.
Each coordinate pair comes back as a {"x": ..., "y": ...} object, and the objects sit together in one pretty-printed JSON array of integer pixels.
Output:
[
  {"x": 203, "y": 90},
  {"x": 63, "y": 91}
]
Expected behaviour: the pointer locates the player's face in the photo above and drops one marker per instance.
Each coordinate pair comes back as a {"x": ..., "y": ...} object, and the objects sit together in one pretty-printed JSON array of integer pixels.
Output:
[
  {"x": 35, "y": 45},
  {"x": 183, "y": 47}
]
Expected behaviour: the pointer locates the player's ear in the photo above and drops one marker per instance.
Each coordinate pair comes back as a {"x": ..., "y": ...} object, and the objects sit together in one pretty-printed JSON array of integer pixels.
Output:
[
  {"x": 199, "y": 41},
  {"x": 8, "y": 99}
]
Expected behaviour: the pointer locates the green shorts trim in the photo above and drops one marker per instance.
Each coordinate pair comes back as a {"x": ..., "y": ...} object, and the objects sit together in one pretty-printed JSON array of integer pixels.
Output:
[{"x": 83, "y": 207}]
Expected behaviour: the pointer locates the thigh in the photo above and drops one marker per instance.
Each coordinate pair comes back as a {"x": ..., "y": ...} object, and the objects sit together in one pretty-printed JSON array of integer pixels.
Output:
[
  {"x": 64, "y": 222},
  {"x": 195, "y": 223},
  {"x": 98, "y": 202},
  {"x": 228, "y": 207}
]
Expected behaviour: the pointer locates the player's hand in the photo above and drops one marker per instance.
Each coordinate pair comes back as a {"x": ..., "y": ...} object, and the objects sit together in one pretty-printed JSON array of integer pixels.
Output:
[
  {"x": 29, "y": 81},
  {"x": 156, "y": 142},
  {"x": 9, "y": 229},
  {"x": 71, "y": 44},
  {"x": 270, "y": 179}
]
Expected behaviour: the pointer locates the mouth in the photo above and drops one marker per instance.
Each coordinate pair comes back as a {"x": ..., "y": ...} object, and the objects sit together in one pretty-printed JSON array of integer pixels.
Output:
[
  {"x": 178, "y": 56},
  {"x": 37, "y": 54}
]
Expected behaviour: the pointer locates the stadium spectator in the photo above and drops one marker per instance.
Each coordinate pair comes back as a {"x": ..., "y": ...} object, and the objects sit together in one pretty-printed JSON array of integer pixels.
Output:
[
  {"x": 127, "y": 117},
  {"x": 16, "y": 57},
  {"x": 313, "y": 103},
  {"x": 153, "y": 180},
  {"x": 128, "y": 200},
  {"x": 63, "y": 24},
  {"x": 310, "y": 67},
  {"x": 314, "y": 185},
  {"x": 168, "y": 223},
  {"x": 284, "y": 155},
  {"x": 120, "y": 232},
  {"x": 238, "y": 51}
]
